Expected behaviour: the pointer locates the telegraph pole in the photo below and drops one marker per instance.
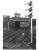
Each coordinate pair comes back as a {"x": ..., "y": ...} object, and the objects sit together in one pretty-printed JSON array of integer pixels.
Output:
[
  {"x": 31, "y": 30},
  {"x": 30, "y": 15}
]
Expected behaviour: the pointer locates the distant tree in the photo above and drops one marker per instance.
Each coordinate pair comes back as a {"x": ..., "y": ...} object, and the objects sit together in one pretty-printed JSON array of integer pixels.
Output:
[
  {"x": 30, "y": 3},
  {"x": 30, "y": 15}
]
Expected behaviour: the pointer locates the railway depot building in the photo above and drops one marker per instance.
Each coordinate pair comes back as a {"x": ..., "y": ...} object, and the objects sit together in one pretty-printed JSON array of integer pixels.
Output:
[
  {"x": 17, "y": 33},
  {"x": 21, "y": 22}
]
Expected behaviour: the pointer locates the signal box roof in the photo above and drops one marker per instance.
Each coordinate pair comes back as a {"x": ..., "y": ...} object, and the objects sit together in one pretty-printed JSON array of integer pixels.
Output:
[{"x": 20, "y": 19}]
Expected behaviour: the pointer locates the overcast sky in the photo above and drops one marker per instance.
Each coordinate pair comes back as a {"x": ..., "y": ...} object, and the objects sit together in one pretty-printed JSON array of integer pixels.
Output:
[{"x": 9, "y": 7}]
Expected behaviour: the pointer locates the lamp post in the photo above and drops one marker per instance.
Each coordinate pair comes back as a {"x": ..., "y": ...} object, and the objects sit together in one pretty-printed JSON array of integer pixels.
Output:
[{"x": 8, "y": 25}]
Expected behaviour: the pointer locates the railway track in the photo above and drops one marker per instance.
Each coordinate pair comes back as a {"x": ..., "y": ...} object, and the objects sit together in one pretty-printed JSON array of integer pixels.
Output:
[
  {"x": 11, "y": 34},
  {"x": 10, "y": 39}
]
